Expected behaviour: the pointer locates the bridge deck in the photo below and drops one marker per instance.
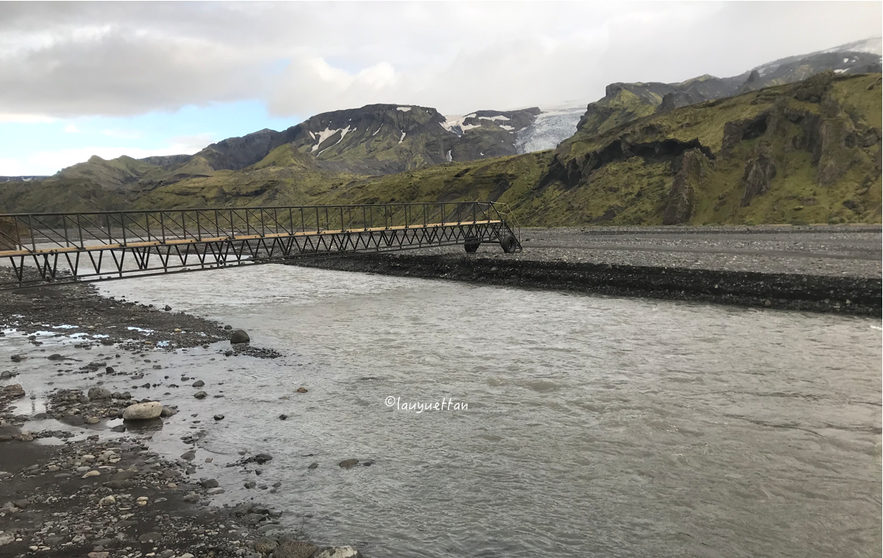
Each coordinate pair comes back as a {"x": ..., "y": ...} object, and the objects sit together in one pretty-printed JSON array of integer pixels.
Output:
[
  {"x": 196, "y": 240},
  {"x": 70, "y": 247}
]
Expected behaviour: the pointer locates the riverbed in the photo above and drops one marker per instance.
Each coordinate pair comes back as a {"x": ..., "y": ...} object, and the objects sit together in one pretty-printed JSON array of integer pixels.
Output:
[{"x": 568, "y": 424}]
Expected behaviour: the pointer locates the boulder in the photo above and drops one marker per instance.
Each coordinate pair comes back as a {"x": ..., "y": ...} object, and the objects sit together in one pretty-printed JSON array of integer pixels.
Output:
[
  {"x": 348, "y": 463},
  {"x": 143, "y": 411},
  {"x": 265, "y": 545},
  {"x": 168, "y": 411},
  {"x": 294, "y": 549},
  {"x": 98, "y": 393},
  {"x": 13, "y": 391},
  {"x": 239, "y": 336}
]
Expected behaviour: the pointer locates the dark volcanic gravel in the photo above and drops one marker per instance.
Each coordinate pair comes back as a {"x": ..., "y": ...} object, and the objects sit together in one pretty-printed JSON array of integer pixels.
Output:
[{"x": 819, "y": 268}]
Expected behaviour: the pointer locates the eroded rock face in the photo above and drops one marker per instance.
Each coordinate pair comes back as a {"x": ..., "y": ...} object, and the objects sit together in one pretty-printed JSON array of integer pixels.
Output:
[
  {"x": 143, "y": 411},
  {"x": 813, "y": 89},
  {"x": 691, "y": 173},
  {"x": 759, "y": 173},
  {"x": 738, "y": 131}
]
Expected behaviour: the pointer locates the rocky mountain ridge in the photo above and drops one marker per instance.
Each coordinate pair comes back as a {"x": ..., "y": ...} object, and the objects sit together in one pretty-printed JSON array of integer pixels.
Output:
[{"x": 625, "y": 102}]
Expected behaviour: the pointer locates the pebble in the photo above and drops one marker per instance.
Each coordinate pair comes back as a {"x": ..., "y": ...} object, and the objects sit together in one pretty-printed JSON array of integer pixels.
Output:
[{"x": 91, "y": 474}]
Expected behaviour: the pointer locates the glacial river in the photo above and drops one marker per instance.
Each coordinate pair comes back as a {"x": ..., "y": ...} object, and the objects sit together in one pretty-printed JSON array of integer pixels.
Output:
[{"x": 575, "y": 425}]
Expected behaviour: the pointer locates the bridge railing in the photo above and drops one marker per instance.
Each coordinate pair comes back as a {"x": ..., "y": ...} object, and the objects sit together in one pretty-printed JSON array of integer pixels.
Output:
[{"x": 30, "y": 232}]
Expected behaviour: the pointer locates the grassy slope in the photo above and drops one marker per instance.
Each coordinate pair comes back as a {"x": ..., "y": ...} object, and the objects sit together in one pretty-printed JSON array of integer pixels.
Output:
[
  {"x": 618, "y": 191},
  {"x": 633, "y": 190}
]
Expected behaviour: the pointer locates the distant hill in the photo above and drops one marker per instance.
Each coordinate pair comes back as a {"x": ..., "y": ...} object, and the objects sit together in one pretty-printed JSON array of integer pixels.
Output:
[{"x": 624, "y": 102}]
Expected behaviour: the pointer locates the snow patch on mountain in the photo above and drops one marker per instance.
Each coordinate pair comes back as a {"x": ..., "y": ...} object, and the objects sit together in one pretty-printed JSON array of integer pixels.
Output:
[
  {"x": 327, "y": 133},
  {"x": 454, "y": 124}
]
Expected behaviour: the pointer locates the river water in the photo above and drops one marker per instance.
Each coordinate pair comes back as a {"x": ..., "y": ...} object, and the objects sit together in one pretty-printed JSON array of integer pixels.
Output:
[{"x": 583, "y": 425}]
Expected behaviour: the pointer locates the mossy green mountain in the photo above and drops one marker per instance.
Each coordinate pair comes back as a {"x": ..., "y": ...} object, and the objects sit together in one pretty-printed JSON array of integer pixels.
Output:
[
  {"x": 624, "y": 102},
  {"x": 807, "y": 152}
]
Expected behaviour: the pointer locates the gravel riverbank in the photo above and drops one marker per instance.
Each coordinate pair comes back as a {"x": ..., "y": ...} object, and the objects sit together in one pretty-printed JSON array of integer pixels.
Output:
[
  {"x": 78, "y": 487},
  {"x": 822, "y": 269}
]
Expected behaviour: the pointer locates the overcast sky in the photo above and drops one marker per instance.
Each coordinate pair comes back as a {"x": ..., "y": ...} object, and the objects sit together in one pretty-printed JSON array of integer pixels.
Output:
[{"x": 78, "y": 79}]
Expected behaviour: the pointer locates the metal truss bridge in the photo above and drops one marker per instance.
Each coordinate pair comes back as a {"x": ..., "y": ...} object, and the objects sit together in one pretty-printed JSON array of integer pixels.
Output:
[{"x": 59, "y": 248}]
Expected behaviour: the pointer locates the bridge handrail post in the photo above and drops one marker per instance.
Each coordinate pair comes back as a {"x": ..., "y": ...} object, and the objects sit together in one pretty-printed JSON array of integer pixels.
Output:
[
  {"x": 64, "y": 224},
  {"x": 341, "y": 219},
  {"x": 263, "y": 229},
  {"x": 122, "y": 215},
  {"x": 198, "y": 226},
  {"x": 31, "y": 228},
  {"x": 18, "y": 233}
]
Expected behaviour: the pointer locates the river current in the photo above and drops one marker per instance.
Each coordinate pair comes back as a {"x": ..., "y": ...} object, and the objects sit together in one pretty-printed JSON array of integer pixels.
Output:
[{"x": 567, "y": 424}]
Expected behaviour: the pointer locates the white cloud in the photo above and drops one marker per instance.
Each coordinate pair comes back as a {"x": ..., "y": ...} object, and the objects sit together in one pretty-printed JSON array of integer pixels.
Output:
[
  {"x": 25, "y": 118},
  {"x": 77, "y": 59},
  {"x": 71, "y": 129}
]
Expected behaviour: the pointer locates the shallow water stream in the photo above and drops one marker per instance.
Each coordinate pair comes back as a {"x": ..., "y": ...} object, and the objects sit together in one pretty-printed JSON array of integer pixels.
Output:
[{"x": 595, "y": 426}]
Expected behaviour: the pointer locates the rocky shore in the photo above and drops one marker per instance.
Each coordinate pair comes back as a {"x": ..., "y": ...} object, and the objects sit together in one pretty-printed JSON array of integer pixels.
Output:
[
  {"x": 81, "y": 488},
  {"x": 818, "y": 269}
]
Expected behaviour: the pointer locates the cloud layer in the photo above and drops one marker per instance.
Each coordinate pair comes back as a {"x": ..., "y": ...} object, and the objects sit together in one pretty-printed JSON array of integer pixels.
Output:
[{"x": 116, "y": 59}]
